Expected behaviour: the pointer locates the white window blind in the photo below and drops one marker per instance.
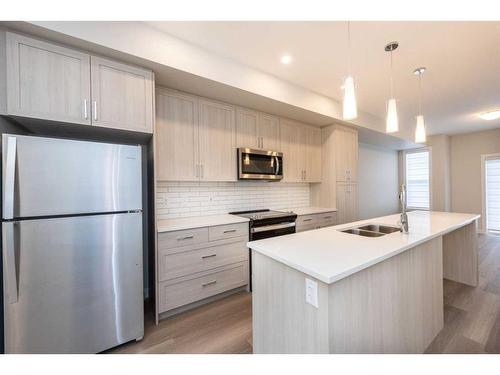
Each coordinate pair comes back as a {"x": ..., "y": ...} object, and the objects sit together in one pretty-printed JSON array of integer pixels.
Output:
[
  {"x": 492, "y": 172},
  {"x": 417, "y": 180}
]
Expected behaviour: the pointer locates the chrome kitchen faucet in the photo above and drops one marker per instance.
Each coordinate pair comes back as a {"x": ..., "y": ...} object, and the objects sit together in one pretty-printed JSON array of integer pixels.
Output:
[{"x": 404, "y": 217}]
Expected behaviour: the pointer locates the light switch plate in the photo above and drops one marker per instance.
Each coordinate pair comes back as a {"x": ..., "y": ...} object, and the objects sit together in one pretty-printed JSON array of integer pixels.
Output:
[{"x": 312, "y": 292}]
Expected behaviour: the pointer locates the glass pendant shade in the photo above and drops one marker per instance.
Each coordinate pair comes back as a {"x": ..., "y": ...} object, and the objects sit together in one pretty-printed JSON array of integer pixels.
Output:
[
  {"x": 392, "y": 123},
  {"x": 420, "y": 136},
  {"x": 350, "y": 110}
]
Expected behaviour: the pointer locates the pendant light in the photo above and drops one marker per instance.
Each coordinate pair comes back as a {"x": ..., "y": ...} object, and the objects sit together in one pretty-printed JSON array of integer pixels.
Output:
[
  {"x": 392, "y": 122},
  {"x": 420, "y": 134},
  {"x": 349, "y": 108}
]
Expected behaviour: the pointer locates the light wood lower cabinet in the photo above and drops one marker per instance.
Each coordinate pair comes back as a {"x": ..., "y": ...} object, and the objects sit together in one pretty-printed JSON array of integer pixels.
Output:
[
  {"x": 347, "y": 202},
  {"x": 315, "y": 221},
  {"x": 198, "y": 263}
]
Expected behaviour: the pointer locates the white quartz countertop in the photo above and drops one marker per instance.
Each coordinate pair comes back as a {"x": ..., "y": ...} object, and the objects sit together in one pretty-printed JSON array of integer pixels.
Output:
[
  {"x": 311, "y": 210},
  {"x": 330, "y": 255},
  {"x": 169, "y": 225}
]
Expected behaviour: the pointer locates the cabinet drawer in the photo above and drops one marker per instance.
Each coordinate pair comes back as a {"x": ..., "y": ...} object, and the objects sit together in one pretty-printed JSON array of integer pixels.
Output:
[
  {"x": 307, "y": 220},
  {"x": 227, "y": 231},
  {"x": 188, "y": 291},
  {"x": 198, "y": 260},
  {"x": 182, "y": 238},
  {"x": 327, "y": 219}
]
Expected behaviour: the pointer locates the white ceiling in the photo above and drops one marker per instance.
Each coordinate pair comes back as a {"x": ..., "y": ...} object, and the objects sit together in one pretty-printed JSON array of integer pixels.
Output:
[{"x": 462, "y": 60}]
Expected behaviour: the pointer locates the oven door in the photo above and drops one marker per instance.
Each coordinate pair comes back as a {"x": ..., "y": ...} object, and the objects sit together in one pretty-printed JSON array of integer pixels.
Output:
[
  {"x": 259, "y": 164},
  {"x": 272, "y": 230}
]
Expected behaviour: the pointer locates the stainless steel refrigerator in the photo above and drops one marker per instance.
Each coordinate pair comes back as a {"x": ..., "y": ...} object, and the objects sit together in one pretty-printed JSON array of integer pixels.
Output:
[{"x": 71, "y": 245}]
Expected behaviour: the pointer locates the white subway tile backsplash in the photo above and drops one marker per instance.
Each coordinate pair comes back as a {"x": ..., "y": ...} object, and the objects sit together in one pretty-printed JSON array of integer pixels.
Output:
[{"x": 186, "y": 199}]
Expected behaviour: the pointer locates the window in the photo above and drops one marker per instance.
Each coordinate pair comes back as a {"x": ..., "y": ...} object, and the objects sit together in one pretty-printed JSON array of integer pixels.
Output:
[
  {"x": 417, "y": 179},
  {"x": 492, "y": 179}
]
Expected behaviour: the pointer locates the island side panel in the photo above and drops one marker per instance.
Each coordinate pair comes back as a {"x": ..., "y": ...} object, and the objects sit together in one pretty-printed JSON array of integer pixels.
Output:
[
  {"x": 460, "y": 255},
  {"x": 282, "y": 320},
  {"x": 395, "y": 306}
]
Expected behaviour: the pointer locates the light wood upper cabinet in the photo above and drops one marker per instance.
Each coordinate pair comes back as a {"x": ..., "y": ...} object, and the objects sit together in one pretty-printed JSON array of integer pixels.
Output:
[
  {"x": 301, "y": 147},
  {"x": 269, "y": 131},
  {"x": 247, "y": 128},
  {"x": 47, "y": 81},
  {"x": 176, "y": 136},
  {"x": 293, "y": 160},
  {"x": 217, "y": 141},
  {"x": 313, "y": 154},
  {"x": 257, "y": 130},
  {"x": 346, "y": 154},
  {"x": 122, "y": 96},
  {"x": 50, "y": 82}
]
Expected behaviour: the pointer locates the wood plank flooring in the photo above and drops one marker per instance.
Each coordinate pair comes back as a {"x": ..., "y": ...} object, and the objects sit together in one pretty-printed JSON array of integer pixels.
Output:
[{"x": 472, "y": 319}]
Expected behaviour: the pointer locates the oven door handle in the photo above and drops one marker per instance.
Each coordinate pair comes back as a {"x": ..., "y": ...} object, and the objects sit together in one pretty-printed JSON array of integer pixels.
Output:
[{"x": 272, "y": 227}]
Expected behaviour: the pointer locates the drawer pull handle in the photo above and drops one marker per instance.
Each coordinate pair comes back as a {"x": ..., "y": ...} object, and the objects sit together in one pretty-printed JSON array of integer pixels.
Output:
[
  {"x": 327, "y": 217},
  {"x": 185, "y": 238},
  {"x": 307, "y": 220},
  {"x": 230, "y": 231},
  {"x": 209, "y": 283},
  {"x": 208, "y": 256}
]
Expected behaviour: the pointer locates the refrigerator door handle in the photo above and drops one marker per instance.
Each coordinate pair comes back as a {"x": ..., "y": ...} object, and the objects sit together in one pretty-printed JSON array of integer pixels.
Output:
[
  {"x": 10, "y": 176},
  {"x": 9, "y": 255}
]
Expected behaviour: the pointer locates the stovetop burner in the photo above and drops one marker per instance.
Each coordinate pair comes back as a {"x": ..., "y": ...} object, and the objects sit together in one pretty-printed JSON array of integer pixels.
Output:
[{"x": 262, "y": 214}]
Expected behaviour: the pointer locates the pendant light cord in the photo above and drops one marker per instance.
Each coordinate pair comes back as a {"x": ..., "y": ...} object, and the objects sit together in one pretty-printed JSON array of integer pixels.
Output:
[
  {"x": 349, "y": 47},
  {"x": 392, "y": 84},
  {"x": 420, "y": 93}
]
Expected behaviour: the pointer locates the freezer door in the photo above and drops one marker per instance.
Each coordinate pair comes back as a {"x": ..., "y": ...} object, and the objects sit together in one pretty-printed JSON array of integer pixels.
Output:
[
  {"x": 72, "y": 285},
  {"x": 49, "y": 176}
]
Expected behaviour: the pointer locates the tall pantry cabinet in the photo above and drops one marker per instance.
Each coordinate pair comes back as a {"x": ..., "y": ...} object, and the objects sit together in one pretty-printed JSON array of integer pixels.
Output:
[{"x": 339, "y": 186}]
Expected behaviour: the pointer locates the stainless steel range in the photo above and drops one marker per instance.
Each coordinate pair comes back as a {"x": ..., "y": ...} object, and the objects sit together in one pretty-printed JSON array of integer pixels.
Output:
[{"x": 266, "y": 224}]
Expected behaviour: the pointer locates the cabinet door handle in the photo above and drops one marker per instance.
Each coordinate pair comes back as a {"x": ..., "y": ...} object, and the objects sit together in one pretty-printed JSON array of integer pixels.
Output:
[
  {"x": 202, "y": 171},
  {"x": 230, "y": 231},
  {"x": 208, "y": 256},
  {"x": 209, "y": 283},
  {"x": 185, "y": 238},
  {"x": 85, "y": 110},
  {"x": 95, "y": 110}
]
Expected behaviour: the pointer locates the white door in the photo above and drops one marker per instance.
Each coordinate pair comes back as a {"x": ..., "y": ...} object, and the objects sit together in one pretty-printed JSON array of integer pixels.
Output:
[
  {"x": 176, "y": 136},
  {"x": 492, "y": 180},
  {"x": 122, "y": 96},
  {"x": 47, "y": 81}
]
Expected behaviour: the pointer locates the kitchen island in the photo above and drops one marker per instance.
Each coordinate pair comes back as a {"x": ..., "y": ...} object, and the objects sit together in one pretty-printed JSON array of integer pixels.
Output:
[{"x": 364, "y": 294}]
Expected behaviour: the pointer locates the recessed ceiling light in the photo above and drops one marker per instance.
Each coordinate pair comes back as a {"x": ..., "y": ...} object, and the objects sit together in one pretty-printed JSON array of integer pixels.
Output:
[
  {"x": 492, "y": 115},
  {"x": 286, "y": 59}
]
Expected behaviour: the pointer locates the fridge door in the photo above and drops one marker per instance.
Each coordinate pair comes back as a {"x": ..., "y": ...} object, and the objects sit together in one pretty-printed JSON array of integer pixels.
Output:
[
  {"x": 72, "y": 285},
  {"x": 49, "y": 176}
]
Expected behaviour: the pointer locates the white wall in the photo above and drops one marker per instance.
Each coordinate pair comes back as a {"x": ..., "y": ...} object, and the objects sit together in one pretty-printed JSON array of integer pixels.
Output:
[
  {"x": 440, "y": 146},
  {"x": 186, "y": 199},
  {"x": 378, "y": 181}
]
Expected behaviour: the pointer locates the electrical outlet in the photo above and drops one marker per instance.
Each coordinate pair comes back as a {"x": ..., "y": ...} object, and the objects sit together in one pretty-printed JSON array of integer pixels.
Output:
[{"x": 312, "y": 292}]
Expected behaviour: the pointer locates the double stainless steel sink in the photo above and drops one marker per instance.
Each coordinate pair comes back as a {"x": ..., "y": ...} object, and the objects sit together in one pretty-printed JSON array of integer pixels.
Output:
[{"x": 372, "y": 230}]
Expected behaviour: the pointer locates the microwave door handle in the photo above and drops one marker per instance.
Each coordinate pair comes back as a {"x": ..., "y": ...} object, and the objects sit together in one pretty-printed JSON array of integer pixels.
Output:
[{"x": 277, "y": 165}]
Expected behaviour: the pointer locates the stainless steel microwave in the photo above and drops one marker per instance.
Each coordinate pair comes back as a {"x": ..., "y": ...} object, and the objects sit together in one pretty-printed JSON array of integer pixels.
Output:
[{"x": 259, "y": 164}]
